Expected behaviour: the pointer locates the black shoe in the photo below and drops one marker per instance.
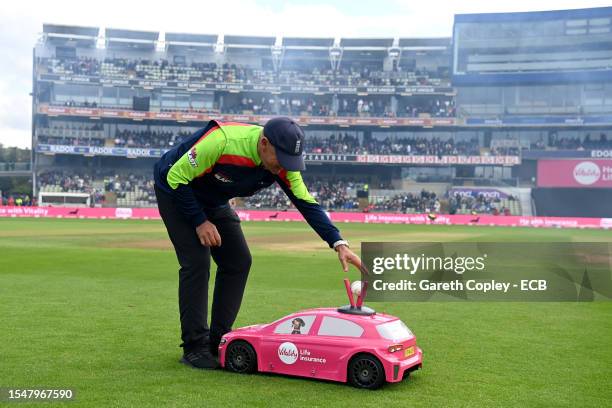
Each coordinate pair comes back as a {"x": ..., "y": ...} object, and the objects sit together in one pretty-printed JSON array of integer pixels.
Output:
[
  {"x": 201, "y": 358},
  {"x": 214, "y": 349},
  {"x": 213, "y": 343}
]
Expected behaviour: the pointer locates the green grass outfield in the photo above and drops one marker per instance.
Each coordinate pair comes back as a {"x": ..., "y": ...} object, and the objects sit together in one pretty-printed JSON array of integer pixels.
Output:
[{"x": 91, "y": 305}]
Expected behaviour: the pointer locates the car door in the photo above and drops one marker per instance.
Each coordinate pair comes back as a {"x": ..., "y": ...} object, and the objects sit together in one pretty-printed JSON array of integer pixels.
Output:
[
  {"x": 335, "y": 339},
  {"x": 281, "y": 347}
]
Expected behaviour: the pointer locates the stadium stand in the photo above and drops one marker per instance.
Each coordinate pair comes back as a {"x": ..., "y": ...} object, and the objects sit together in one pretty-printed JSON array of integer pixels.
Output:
[
  {"x": 331, "y": 143},
  {"x": 233, "y": 73},
  {"x": 334, "y": 194},
  {"x": 418, "y": 116}
]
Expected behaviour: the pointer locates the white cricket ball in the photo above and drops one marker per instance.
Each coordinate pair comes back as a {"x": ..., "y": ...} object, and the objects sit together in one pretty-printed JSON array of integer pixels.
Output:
[{"x": 356, "y": 288}]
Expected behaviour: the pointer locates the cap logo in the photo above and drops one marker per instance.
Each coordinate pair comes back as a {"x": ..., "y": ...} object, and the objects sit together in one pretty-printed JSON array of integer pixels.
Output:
[{"x": 297, "y": 146}]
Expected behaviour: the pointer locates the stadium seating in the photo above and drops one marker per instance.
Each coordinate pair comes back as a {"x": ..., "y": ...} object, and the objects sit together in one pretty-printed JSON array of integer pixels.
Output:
[
  {"x": 334, "y": 143},
  {"x": 334, "y": 194},
  {"x": 232, "y": 73}
]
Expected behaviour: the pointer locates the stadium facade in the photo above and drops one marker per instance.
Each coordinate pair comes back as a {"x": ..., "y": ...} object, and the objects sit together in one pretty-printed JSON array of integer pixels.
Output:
[{"x": 515, "y": 107}]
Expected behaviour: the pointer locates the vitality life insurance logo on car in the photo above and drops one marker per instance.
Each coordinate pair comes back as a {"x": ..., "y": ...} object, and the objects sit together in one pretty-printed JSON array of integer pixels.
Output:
[{"x": 288, "y": 353}]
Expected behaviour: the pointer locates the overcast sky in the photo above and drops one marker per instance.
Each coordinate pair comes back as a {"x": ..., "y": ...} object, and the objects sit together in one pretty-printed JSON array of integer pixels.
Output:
[{"x": 21, "y": 24}]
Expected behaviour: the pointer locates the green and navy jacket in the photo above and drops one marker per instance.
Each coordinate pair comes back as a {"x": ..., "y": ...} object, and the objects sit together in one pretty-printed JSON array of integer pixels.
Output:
[{"x": 220, "y": 162}]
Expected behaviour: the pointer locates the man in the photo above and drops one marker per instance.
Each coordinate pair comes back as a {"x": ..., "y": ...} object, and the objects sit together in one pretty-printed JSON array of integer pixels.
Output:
[{"x": 193, "y": 183}]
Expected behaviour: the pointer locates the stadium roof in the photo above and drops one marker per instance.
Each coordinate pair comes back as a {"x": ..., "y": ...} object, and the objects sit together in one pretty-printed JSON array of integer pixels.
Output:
[
  {"x": 76, "y": 30},
  {"x": 307, "y": 53},
  {"x": 248, "y": 41},
  {"x": 120, "y": 38},
  {"x": 298, "y": 42},
  {"x": 181, "y": 42},
  {"x": 132, "y": 34},
  {"x": 424, "y": 44},
  {"x": 366, "y": 42},
  {"x": 364, "y": 54},
  {"x": 71, "y": 35},
  {"x": 249, "y": 45},
  {"x": 242, "y": 51},
  {"x": 191, "y": 38}
]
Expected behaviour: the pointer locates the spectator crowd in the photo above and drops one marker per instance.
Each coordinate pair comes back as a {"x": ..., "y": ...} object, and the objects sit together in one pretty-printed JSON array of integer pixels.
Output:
[
  {"x": 162, "y": 69},
  {"x": 253, "y": 103},
  {"x": 577, "y": 143},
  {"x": 79, "y": 134},
  {"x": 391, "y": 145},
  {"x": 19, "y": 200},
  {"x": 346, "y": 106},
  {"x": 334, "y": 194},
  {"x": 425, "y": 202},
  {"x": 480, "y": 204},
  {"x": 334, "y": 143}
]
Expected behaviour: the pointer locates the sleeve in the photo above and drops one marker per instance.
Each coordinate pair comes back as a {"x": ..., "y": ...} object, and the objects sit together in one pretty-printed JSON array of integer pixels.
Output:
[
  {"x": 292, "y": 184},
  {"x": 196, "y": 162}
]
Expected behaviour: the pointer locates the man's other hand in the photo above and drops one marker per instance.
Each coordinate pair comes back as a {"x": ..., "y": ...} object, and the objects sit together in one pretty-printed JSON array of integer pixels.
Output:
[{"x": 208, "y": 234}]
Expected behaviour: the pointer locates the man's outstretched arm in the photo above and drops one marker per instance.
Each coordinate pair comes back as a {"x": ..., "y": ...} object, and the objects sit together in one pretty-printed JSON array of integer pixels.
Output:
[{"x": 293, "y": 185}]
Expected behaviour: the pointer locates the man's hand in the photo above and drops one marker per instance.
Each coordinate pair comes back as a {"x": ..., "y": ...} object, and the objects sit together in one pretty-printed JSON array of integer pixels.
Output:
[
  {"x": 347, "y": 256},
  {"x": 208, "y": 234}
]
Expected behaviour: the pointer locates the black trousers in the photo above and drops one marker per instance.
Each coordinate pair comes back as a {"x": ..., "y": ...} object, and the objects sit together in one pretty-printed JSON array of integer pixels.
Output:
[{"x": 233, "y": 260}]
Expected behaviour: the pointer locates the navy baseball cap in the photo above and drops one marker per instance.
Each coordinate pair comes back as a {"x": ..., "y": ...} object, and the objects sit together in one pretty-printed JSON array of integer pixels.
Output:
[{"x": 288, "y": 141}]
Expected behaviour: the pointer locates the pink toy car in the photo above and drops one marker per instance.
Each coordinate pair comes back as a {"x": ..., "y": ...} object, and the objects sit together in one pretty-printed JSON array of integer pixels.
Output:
[{"x": 351, "y": 343}]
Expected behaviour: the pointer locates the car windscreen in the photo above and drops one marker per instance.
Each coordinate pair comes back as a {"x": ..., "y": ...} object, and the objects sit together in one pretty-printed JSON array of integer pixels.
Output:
[{"x": 395, "y": 330}]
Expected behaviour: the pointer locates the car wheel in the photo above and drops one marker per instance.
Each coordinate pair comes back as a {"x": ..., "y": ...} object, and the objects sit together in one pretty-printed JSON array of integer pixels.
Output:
[
  {"x": 240, "y": 357},
  {"x": 366, "y": 371}
]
